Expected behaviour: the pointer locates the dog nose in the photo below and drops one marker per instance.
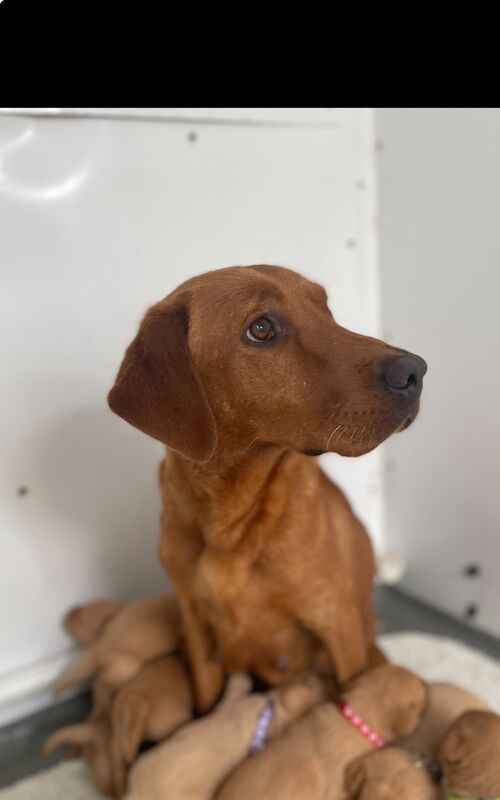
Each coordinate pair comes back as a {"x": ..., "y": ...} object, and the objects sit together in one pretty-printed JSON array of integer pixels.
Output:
[{"x": 404, "y": 374}]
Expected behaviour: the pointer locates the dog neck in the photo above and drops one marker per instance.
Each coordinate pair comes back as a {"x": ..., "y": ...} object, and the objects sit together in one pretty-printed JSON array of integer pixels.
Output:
[{"x": 228, "y": 494}]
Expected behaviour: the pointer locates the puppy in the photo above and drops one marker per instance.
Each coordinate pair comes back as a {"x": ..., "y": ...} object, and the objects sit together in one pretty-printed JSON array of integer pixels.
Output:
[
  {"x": 469, "y": 756},
  {"x": 245, "y": 375},
  {"x": 307, "y": 762},
  {"x": 149, "y": 707},
  {"x": 389, "y": 774},
  {"x": 136, "y": 634},
  {"x": 445, "y": 704},
  {"x": 192, "y": 763}
]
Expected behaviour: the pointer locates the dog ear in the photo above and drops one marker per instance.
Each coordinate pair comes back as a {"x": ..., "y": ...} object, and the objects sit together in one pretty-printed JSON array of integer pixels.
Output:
[
  {"x": 354, "y": 778},
  {"x": 129, "y": 718},
  {"x": 453, "y": 744},
  {"x": 407, "y": 718},
  {"x": 157, "y": 389},
  {"x": 412, "y": 699}
]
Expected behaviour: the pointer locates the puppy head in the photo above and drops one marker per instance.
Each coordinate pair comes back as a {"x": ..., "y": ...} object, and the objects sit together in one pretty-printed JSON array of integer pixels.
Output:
[
  {"x": 470, "y": 755},
  {"x": 254, "y": 354},
  {"x": 388, "y": 774},
  {"x": 391, "y": 698},
  {"x": 86, "y": 623}
]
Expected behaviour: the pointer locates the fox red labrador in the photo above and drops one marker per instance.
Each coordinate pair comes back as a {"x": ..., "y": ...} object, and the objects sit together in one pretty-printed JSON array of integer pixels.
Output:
[{"x": 245, "y": 375}]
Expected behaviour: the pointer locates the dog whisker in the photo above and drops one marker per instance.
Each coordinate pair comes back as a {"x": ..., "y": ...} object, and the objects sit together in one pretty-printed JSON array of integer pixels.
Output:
[
  {"x": 332, "y": 434},
  {"x": 361, "y": 432},
  {"x": 254, "y": 441},
  {"x": 354, "y": 432}
]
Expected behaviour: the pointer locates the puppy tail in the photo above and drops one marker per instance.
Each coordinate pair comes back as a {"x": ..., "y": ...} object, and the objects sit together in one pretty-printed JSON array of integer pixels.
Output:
[{"x": 79, "y": 671}]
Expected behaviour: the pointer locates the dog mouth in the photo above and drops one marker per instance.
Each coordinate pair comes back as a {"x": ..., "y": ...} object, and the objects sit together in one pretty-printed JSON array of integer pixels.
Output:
[
  {"x": 350, "y": 440},
  {"x": 405, "y": 424},
  {"x": 408, "y": 419}
]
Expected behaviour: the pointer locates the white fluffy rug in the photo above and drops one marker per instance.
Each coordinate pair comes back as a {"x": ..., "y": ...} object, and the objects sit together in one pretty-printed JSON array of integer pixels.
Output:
[{"x": 434, "y": 658}]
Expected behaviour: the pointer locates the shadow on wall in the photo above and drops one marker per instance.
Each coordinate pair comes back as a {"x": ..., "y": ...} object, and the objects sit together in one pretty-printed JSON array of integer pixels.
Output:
[{"x": 98, "y": 477}]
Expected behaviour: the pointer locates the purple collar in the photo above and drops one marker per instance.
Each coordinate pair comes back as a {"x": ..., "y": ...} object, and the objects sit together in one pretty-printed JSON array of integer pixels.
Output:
[{"x": 260, "y": 735}]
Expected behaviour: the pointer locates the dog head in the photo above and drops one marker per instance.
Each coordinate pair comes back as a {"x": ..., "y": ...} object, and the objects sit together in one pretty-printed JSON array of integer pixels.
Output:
[{"x": 253, "y": 354}]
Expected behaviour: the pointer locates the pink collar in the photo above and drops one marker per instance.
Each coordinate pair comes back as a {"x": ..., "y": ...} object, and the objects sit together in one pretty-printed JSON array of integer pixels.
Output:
[{"x": 350, "y": 715}]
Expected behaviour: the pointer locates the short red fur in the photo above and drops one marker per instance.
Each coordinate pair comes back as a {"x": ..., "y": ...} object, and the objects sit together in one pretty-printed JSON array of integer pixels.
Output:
[{"x": 272, "y": 568}]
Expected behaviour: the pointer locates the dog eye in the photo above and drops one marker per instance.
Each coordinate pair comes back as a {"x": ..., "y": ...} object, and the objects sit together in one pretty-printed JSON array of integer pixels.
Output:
[{"x": 262, "y": 330}]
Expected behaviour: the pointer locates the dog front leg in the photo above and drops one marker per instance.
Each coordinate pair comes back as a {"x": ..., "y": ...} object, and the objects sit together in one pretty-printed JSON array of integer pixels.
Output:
[
  {"x": 181, "y": 547},
  {"x": 344, "y": 640},
  {"x": 207, "y": 674}
]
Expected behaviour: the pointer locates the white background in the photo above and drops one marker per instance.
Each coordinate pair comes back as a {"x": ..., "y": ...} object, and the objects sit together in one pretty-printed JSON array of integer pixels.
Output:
[
  {"x": 99, "y": 218},
  {"x": 439, "y": 202}
]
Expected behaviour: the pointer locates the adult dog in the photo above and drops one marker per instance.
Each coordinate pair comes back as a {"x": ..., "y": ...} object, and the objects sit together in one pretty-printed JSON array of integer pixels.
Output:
[{"x": 244, "y": 374}]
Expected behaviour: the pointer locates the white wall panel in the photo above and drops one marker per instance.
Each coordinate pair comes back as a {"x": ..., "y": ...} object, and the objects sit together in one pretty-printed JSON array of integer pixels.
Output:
[{"x": 439, "y": 184}]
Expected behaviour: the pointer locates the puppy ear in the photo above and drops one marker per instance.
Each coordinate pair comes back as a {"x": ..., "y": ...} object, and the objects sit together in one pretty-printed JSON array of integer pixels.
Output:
[
  {"x": 414, "y": 701},
  {"x": 407, "y": 719},
  {"x": 354, "y": 778},
  {"x": 157, "y": 389},
  {"x": 129, "y": 719},
  {"x": 453, "y": 745}
]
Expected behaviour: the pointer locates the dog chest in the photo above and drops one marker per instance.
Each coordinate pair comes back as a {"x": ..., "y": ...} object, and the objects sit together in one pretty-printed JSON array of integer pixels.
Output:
[{"x": 253, "y": 632}]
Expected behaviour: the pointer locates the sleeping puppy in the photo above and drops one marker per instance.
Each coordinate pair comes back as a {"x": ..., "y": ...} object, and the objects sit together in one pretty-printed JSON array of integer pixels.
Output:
[
  {"x": 389, "y": 774},
  {"x": 157, "y": 701},
  {"x": 148, "y": 708},
  {"x": 469, "y": 755},
  {"x": 194, "y": 761},
  {"x": 245, "y": 375},
  {"x": 137, "y": 633},
  {"x": 445, "y": 704},
  {"x": 307, "y": 762}
]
